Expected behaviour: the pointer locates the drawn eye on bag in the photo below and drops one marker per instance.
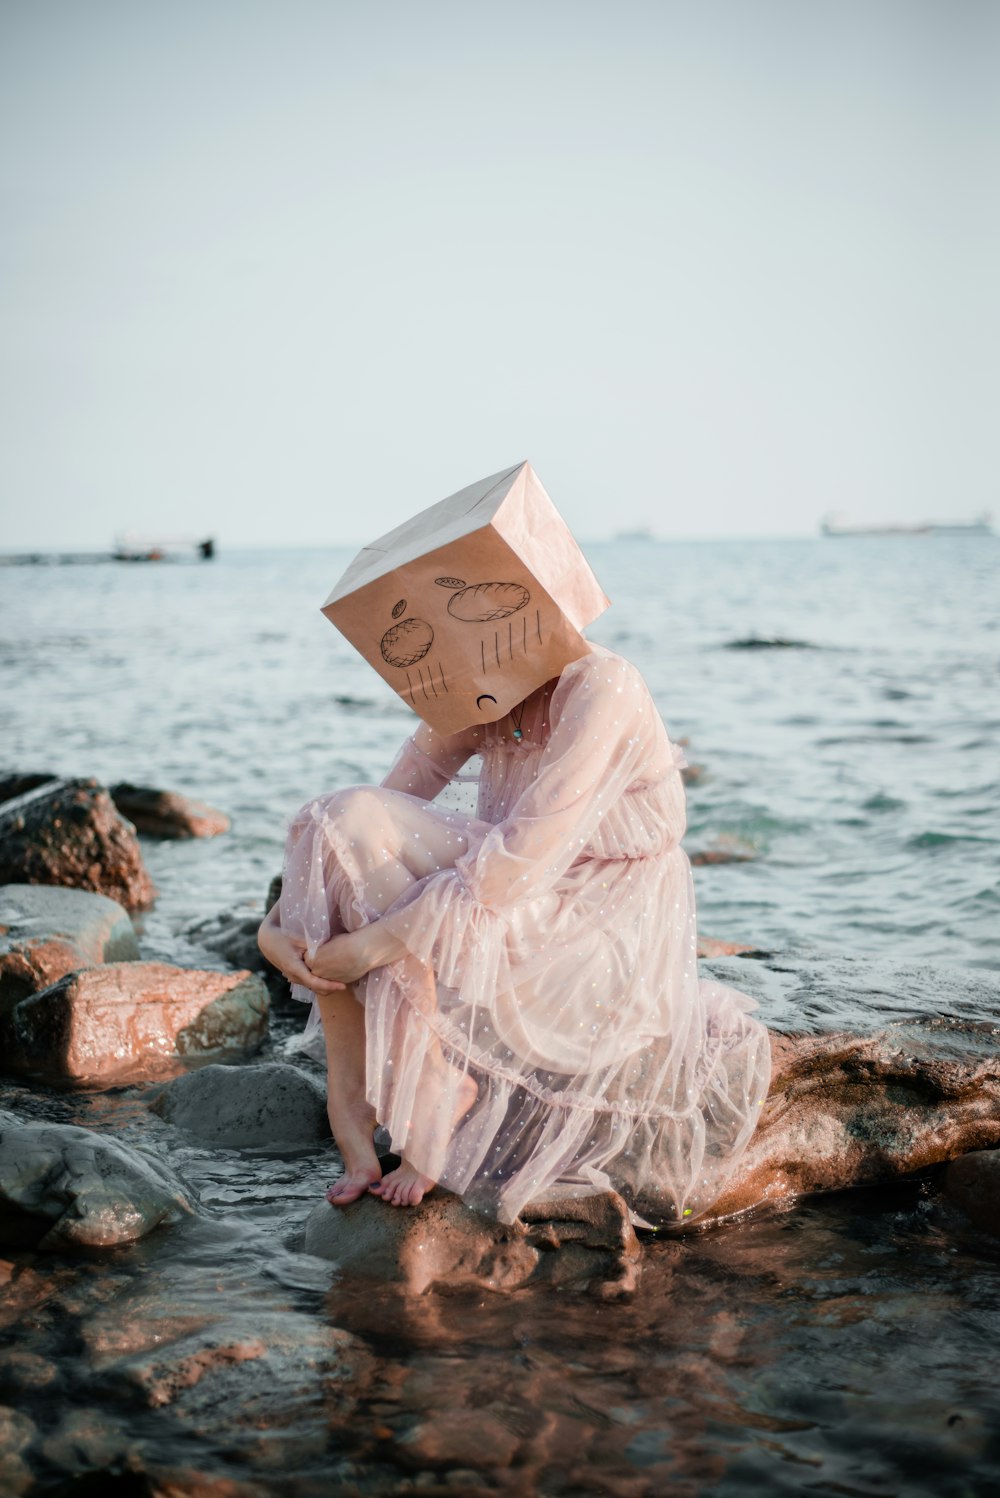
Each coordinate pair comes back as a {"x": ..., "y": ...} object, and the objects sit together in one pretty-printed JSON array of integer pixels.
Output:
[{"x": 407, "y": 643}]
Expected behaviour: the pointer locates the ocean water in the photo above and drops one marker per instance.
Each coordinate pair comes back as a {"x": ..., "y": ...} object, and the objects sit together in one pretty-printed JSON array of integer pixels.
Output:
[
  {"x": 860, "y": 762},
  {"x": 840, "y": 1345}
]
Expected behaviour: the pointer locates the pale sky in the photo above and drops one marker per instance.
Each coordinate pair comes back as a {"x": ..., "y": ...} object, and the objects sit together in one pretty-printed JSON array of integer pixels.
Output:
[{"x": 287, "y": 272}]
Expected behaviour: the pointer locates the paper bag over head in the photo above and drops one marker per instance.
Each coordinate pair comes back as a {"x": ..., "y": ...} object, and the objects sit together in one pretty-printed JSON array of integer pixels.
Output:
[{"x": 472, "y": 604}]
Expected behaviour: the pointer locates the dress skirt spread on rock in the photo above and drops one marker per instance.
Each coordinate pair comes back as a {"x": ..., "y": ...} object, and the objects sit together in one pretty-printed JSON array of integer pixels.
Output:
[{"x": 550, "y": 958}]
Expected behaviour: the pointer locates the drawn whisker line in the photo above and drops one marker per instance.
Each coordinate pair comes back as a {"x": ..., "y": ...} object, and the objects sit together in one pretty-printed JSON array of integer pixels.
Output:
[
  {"x": 538, "y": 624},
  {"x": 441, "y": 674},
  {"x": 496, "y": 646},
  {"x": 510, "y": 641},
  {"x": 422, "y": 682},
  {"x": 409, "y": 684},
  {"x": 482, "y": 652},
  {"x": 524, "y": 622}
]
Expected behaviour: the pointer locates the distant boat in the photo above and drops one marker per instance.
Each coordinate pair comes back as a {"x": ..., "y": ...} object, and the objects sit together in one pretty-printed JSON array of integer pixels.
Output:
[
  {"x": 834, "y": 525},
  {"x": 132, "y": 548},
  {"x": 640, "y": 533}
]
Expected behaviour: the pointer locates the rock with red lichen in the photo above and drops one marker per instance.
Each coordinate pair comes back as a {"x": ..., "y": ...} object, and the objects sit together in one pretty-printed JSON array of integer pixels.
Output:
[{"x": 69, "y": 832}]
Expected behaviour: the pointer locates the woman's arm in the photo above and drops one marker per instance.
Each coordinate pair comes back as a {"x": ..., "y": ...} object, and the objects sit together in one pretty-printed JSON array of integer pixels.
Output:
[
  {"x": 286, "y": 954},
  {"x": 602, "y": 737},
  {"x": 429, "y": 760}
]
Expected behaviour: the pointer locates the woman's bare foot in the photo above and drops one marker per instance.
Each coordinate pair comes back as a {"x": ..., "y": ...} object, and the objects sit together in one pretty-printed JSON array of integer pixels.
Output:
[
  {"x": 352, "y": 1184},
  {"x": 406, "y": 1186},
  {"x": 403, "y": 1187},
  {"x": 352, "y": 1122}
]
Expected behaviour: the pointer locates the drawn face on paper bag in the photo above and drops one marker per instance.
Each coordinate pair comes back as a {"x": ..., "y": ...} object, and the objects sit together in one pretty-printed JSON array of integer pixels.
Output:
[
  {"x": 471, "y": 604},
  {"x": 480, "y": 642}
]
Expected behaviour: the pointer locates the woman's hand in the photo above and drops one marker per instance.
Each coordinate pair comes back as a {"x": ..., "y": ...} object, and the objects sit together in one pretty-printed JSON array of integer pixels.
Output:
[
  {"x": 349, "y": 957},
  {"x": 287, "y": 954}
]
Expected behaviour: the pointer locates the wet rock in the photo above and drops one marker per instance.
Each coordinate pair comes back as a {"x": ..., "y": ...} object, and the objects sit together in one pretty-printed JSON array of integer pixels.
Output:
[
  {"x": 234, "y": 937},
  {"x": 47, "y": 932},
  {"x": 692, "y": 774},
  {"x": 249, "y": 1377},
  {"x": 442, "y": 1241},
  {"x": 66, "y": 1187},
  {"x": 973, "y": 1183},
  {"x": 21, "y": 1369},
  {"x": 464, "y": 1438},
  {"x": 725, "y": 849},
  {"x": 89, "y": 1441},
  {"x": 16, "y": 1434},
  {"x": 166, "y": 814},
  {"x": 246, "y": 1107},
  {"x": 713, "y": 946},
  {"x": 855, "y": 1109},
  {"x": 122, "y": 1019},
  {"x": 15, "y": 783},
  {"x": 68, "y": 832}
]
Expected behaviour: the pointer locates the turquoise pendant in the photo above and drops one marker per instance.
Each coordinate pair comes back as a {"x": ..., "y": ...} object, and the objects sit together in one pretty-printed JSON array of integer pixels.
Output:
[{"x": 518, "y": 735}]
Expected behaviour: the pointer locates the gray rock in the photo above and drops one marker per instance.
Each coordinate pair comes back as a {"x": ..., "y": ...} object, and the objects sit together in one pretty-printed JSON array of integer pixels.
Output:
[
  {"x": 16, "y": 1434},
  {"x": 125, "y": 1019},
  {"x": 234, "y": 937},
  {"x": 68, "y": 832},
  {"x": 973, "y": 1183},
  {"x": 66, "y": 1187},
  {"x": 47, "y": 931},
  {"x": 247, "y": 1106},
  {"x": 588, "y": 1240}
]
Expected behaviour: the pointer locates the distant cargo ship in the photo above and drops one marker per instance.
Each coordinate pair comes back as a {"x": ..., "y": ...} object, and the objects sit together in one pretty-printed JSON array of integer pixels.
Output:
[{"x": 834, "y": 525}]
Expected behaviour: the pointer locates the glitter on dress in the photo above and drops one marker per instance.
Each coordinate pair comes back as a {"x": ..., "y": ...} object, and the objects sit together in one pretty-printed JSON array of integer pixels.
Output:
[{"x": 550, "y": 958}]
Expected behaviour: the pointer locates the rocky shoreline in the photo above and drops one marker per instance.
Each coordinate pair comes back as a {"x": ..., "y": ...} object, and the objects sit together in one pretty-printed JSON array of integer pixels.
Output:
[{"x": 134, "y": 1088}]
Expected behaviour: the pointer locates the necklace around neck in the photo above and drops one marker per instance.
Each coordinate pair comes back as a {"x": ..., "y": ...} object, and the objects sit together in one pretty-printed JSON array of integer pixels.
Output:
[{"x": 519, "y": 710}]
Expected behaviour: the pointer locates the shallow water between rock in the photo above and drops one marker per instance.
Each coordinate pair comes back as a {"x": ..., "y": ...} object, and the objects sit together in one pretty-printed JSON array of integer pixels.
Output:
[{"x": 845, "y": 1344}]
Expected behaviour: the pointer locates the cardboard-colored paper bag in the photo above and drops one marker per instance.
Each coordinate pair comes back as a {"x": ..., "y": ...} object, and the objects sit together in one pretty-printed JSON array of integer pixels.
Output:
[{"x": 472, "y": 604}]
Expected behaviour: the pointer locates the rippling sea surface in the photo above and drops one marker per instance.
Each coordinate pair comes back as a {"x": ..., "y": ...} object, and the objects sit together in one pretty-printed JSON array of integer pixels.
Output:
[{"x": 842, "y": 1346}]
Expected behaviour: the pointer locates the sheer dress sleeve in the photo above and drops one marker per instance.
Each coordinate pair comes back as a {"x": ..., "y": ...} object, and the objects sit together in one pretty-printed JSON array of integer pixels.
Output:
[
  {"x": 601, "y": 733},
  {"x": 427, "y": 762}
]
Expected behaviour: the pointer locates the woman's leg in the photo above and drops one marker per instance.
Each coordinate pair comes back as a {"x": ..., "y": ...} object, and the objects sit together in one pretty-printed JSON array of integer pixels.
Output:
[
  {"x": 352, "y": 1117},
  {"x": 377, "y": 844}
]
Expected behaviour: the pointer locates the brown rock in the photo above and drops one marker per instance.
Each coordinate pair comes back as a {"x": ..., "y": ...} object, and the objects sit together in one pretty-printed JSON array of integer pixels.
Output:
[
  {"x": 68, "y": 832},
  {"x": 464, "y": 1438},
  {"x": 847, "y": 1110},
  {"x": 713, "y": 946},
  {"x": 47, "y": 932},
  {"x": 724, "y": 850},
  {"x": 166, "y": 814},
  {"x": 973, "y": 1183},
  {"x": 125, "y": 1019},
  {"x": 586, "y": 1241}
]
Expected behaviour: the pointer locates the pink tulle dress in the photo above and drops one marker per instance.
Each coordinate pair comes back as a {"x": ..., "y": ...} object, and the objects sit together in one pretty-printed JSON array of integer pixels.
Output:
[{"x": 546, "y": 1033}]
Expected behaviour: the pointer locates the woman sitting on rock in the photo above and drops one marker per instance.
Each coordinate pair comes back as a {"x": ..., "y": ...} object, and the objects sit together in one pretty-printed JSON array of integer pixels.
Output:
[{"x": 513, "y": 995}]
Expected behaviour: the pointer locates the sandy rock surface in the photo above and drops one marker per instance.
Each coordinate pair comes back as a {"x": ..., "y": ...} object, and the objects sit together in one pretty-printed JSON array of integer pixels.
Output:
[
  {"x": 47, "y": 931},
  {"x": 167, "y": 814},
  {"x": 66, "y": 1187},
  {"x": 247, "y": 1107},
  {"x": 443, "y": 1242},
  {"x": 69, "y": 832},
  {"x": 121, "y": 1019}
]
